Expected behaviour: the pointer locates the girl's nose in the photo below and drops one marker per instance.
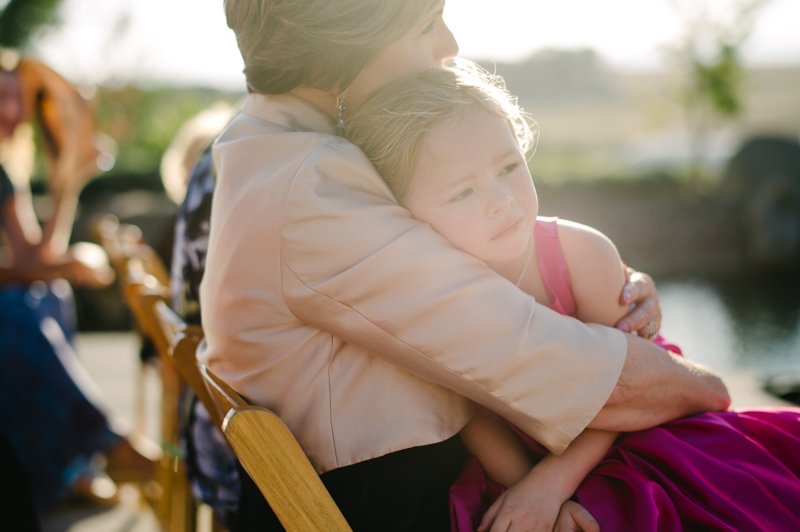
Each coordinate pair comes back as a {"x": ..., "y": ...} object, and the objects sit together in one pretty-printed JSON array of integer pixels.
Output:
[{"x": 501, "y": 200}]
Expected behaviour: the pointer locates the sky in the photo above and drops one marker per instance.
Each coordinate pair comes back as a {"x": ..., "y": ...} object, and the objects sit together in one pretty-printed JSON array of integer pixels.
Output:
[{"x": 186, "y": 42}]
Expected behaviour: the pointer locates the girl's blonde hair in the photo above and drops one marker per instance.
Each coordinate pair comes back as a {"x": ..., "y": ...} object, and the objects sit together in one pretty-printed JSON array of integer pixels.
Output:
[{"x": 390, "y": 128}]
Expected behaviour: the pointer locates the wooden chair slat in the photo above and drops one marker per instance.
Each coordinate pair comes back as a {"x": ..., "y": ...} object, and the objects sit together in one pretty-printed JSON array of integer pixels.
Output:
[
  {"x": 275, "y": 461},
  {"x": 281, "y": 470},
  {"x": 222, "y": 395},
  {"x": 144, "y": 283}
]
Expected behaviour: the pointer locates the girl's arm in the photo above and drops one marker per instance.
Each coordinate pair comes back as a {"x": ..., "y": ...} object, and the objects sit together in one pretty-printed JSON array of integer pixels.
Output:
[
  {"x": 597, "y": 278},
  {"x": 597, "y": 273},
  {"x": 534, "y": 502},
  {"x": 497, "y": 448}
]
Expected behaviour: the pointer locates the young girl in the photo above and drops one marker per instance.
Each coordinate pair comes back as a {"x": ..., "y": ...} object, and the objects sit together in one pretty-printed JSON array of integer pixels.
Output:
[{"x": 450, "y": 144}]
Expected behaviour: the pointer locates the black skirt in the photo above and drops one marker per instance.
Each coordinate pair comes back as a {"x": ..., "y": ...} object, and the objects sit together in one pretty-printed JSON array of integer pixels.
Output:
[{"x": 408, "y": 490}]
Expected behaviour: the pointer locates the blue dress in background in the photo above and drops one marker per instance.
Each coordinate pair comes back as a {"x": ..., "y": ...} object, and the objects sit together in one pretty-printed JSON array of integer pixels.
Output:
[{"x": 51, "y": 424}]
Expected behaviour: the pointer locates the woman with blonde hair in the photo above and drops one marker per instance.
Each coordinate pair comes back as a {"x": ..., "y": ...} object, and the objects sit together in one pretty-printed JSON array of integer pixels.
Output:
[{"x": 364, "y": 330}]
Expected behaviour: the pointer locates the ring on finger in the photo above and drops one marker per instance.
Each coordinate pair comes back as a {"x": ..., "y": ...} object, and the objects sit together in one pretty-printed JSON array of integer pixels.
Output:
[{"x": 652, "y": 330}]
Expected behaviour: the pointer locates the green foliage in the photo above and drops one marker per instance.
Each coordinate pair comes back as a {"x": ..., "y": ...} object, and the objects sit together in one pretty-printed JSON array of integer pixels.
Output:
[
  {"x": 719, "y": 82},
  {"x": 710, "y": 52},
  {"x": 144, "y": 121},
  {"x": 20, "y": 18}
]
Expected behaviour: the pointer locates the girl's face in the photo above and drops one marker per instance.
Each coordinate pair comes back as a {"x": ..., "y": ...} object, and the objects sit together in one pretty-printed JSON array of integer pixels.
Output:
[
  {"x": 10, "y": 104},
  {"x": 471, "y": 184},
  {"x": 427, "y": 45}
]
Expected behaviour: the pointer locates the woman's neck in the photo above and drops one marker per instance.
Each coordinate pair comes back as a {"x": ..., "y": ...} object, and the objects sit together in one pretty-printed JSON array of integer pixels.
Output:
[{"x": 324, "y": 100}]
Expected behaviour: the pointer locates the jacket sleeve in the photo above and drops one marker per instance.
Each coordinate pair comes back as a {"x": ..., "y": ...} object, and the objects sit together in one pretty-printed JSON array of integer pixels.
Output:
[{"x": 356, "y": 264}]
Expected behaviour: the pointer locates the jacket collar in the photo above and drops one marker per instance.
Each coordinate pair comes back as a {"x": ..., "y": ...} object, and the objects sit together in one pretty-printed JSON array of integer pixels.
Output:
[{"x": 289, "y": 111}]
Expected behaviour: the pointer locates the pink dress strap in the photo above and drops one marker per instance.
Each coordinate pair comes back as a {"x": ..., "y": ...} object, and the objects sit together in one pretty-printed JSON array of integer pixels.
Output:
[{"x": 553, "y": 266}]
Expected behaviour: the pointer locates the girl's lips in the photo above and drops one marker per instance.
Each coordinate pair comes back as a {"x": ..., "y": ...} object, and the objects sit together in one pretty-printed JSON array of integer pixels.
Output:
[{"x": 509, "y": 229}]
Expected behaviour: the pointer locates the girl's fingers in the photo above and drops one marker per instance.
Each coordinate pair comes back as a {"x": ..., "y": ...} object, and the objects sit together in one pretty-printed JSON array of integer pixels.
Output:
[
  {"x": 584, "y": 519},
  {"x": 501, "y": 524},
  {"x": 575, "y": 518},
  {"x": 489, "y": 516}
]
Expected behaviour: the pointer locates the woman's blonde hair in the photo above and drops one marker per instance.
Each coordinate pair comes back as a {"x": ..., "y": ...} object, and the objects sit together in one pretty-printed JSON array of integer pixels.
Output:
[
  {"x": 390, "y": 128},
  {"x": 319, "y": 44}
]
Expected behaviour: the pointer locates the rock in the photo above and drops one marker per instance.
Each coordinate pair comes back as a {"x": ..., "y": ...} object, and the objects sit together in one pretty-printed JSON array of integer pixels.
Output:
[{"x": 762, "y": 182}]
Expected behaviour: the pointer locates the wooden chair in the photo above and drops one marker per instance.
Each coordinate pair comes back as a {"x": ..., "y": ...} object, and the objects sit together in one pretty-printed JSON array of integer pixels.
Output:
[
  {"x": 144, "y": 283},
  {"x": 276, "y": 463},
  {"x": 176, "y": 509},
  {"x": 181, "y": 342},
  {"x": 127, "y": 251},
  {"x": 133, "y": 262},
  {"x": 264, "y": 445}
]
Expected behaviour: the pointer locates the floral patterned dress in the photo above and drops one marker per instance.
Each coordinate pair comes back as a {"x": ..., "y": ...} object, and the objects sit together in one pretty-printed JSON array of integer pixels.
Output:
[{"x": 211, "y": 464}]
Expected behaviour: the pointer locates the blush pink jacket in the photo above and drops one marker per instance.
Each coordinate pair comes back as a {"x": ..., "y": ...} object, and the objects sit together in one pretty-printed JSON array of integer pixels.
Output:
[{"x": 361, "y": 327}]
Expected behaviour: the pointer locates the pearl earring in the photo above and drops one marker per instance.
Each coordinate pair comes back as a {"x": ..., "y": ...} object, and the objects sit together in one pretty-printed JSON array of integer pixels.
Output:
[{"x": 341, "y": 107}]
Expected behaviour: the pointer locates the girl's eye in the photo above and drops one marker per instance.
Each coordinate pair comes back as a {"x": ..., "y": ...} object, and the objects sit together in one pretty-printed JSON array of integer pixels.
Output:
[
  {"x": 461, "y": 195},
  {"x": 429, "y": 28},
  {"x": 510, "y": 168}
]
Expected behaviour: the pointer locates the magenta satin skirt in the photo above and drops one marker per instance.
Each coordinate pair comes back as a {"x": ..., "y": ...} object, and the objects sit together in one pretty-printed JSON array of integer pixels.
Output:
[{"x": 733, "y": 471}]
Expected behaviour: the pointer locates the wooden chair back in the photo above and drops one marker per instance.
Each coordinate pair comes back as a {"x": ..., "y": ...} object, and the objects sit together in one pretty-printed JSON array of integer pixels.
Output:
[
  {"x": 261, "y": 441},
  {"x": 182, "y": 341},
  {"x": 275, "y": 461},
  {"x": 183, "y": 355},
  {"x": 127, "y": 251},
  {"x": 144, "y": 283}
]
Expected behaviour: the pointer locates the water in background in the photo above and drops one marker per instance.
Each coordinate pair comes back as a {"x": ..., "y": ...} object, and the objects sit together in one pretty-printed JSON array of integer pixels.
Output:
[{"x": 735, "y": 324}]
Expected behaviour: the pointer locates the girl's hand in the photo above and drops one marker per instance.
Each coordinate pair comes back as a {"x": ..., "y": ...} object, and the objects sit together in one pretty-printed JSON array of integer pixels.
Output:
[
  {"x": 575, "y": 518},
  {"x": 525, "y": 507},
  {"x": 645, "y": 317}
]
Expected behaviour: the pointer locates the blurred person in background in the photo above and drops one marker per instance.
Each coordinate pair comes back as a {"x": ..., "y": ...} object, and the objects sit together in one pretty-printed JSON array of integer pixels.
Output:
[
  {"x": 50, "y": 409},
  {"x": 211, "y": 465}
]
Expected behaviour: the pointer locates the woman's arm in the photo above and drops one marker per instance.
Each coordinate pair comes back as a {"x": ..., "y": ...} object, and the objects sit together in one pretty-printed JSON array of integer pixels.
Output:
[
  {"x": 28, "y": 264},
  {"x": 650, "y": 373},
  {"x": 656, "y": 386}
]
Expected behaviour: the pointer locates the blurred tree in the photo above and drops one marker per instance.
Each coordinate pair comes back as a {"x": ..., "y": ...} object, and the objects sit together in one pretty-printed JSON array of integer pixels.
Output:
[
  {"x": 19, "y": 19},
  {"x": 710, "y": 54},
  {"x": 144, "y": 121}
]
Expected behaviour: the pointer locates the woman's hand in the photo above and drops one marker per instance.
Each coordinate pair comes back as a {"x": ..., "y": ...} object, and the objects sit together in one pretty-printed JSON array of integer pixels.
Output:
[
  {"x": 528, "y": 506},
  {"x": 575, "y": 518},
  {"x": 87, "y": 265},
  {"x": 645, "y": 317},
  {"x": 79, "y": 274}
]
